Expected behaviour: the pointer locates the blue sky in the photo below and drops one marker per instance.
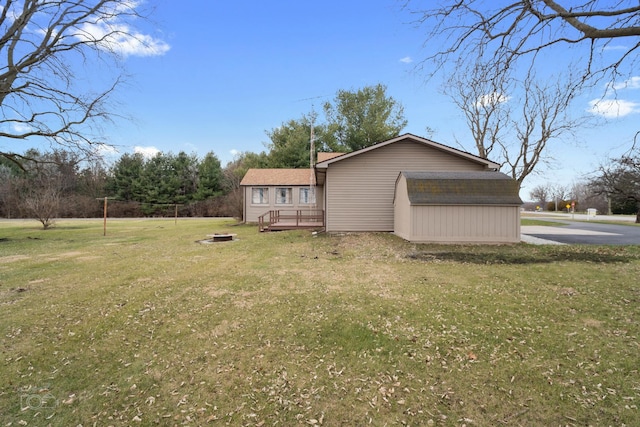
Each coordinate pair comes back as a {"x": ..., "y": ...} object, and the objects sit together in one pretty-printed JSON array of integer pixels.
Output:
[
  {"x": 237, "y": 69},
  {"x": 227, "y": 71}
]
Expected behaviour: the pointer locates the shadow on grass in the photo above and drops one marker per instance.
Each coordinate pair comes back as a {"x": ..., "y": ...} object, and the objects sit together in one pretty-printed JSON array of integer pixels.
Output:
[{"x": 529, "y": 255}]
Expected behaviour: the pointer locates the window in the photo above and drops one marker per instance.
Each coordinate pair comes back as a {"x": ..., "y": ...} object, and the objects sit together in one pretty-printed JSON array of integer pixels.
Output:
[
  {"x": 283, "y": 196},
  {"x": 260, "y": 196},
  {"x": 307, "y": 196}
]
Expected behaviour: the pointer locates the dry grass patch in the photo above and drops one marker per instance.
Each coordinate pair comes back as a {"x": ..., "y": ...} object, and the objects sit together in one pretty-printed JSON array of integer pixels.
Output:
[{"x": 147, "y": 327}]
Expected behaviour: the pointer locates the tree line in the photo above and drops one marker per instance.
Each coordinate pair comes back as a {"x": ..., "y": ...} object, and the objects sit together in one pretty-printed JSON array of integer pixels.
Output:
[
  {"x": 494, "y": 55},
  {"x": 614, "y": 188},
  {"x": 63, "y": 184},
  {"x": 66, "y": 183},
  {"x": 69, "y": 183}
]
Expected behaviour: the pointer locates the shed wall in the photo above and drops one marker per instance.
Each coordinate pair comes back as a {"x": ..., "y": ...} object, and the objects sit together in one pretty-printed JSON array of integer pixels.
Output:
[
  {"x": 402, "y": 210},
  {"x": 468, "y": 224},
  {"x": 360, "y": 190}
]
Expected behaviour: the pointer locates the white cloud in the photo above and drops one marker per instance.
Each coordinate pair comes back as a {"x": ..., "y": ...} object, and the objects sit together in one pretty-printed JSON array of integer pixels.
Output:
[
  {"x": 105, "y": 150},
  {"x": 234, "y": 152},
  {"x": 147, "y": 152},
  {"x": 491, "y": 99},
  {"x": 123, "y": 39},
  {"x": 615, "y": 47},
  {"x": 125, "y": 5},
  {"x": 112, "y": 32},
  {"x": 632, "y": 83},
  {"x": 193, "y": 148},
  {"x": 613, "y": 108},
  {"x": 406, "y": 60},
  {"x": 20, "y": 128},
  {"x": 109, "y": 31}
]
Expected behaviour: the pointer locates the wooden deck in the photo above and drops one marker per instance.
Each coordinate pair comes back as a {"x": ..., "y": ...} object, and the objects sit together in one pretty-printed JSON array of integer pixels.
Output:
[{"x": 291, "y": 220}]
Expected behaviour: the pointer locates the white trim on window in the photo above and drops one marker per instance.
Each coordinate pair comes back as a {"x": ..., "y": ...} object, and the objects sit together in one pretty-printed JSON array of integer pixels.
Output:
[
  {"x": 307, "y": 196},
  {"x": 259, "y": 196},
  {"x": 283, "y": 196}
]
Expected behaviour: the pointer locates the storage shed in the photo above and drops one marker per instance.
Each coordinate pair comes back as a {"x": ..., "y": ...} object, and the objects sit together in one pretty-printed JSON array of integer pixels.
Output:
[{"x": 457, "y": 207}]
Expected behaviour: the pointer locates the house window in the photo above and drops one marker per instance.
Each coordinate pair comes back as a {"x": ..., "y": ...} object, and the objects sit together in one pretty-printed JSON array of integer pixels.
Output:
[
  {"x": 283, "y": 196},
  {"x": 260, "y": 196},
  {"x": 307, "y": 196}
]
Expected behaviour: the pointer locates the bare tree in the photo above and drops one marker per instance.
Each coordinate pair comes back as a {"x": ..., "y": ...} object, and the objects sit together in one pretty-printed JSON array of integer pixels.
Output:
[
  {"x": 558, "y": 194},
  {"x": 586, "y": 198},
  {"x": 513, "y": 131},
  {"x": 46, "y": 48},
  {"x": 511, "y": 31},
  {"x": 233, "y": 198},
  {"x": 620, "y": 179},
  {"x": 43, "y": 201},
  {"x": 8, "y": 193},
  {"x": 540, "y": 194},
  {"x": 233, "y": 173},
  {"x": 41, "y": 193},
  {"x": 48, "y": 179},
  {"x": 481, "y": 98}
]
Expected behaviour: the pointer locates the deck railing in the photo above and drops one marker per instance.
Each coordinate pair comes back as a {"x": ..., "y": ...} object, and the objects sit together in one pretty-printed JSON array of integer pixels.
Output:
[{"x": 291, "y": 219}]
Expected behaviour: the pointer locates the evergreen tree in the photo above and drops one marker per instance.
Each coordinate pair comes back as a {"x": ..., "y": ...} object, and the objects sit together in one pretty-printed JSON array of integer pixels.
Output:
[
  {"x": 210, "y": 177},
  {"x": 125, "y": 182}
]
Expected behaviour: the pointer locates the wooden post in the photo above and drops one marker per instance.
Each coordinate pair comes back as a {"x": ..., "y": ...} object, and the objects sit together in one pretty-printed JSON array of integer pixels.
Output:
[
  {"x": 176, "y": 215},
  {"x": 105, "y": 217}
]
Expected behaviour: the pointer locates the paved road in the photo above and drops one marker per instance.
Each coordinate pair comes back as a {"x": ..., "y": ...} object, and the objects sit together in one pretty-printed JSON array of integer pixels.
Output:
[{"x": 578, "y": 232}]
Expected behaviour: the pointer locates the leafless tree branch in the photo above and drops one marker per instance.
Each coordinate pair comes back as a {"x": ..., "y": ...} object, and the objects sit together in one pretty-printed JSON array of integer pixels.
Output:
[
  {"x": 514, "y": 132},
  {"x": 509, "y": 31},
  {"x": 47, "y": 48}
]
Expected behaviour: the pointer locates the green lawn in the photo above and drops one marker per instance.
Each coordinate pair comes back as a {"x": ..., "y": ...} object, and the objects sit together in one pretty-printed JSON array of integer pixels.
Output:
[
  {"x": 146, "y": 326},
  {"x": 529, "y": 221}
]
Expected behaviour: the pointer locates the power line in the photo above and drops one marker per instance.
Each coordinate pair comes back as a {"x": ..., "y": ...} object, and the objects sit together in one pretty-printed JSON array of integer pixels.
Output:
[{"x": 312, "y": 98}]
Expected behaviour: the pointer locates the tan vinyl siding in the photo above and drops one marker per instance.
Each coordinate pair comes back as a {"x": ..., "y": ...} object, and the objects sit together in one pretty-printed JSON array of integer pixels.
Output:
[
  {"x": 253, "y": 211},
  {"x": 474, "y": 224},
  {"x": 360, "y": 189},
  {"x": 402, "y": 210}
]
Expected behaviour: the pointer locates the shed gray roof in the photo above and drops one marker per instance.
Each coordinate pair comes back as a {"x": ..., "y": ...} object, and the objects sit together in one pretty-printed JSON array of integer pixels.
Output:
[{"x": 461, "y": 188}]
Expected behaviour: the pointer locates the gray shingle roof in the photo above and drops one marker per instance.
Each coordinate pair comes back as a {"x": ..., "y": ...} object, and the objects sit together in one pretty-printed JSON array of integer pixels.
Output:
[{"x": 461, "y": 188}]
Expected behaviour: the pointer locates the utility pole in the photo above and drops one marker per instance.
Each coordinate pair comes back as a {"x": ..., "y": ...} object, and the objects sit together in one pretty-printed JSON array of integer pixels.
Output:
[{"x": 312, "y": 152}]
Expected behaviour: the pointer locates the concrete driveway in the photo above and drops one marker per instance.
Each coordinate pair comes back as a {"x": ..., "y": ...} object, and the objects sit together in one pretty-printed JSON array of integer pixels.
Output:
[{"x": 582, "y": 232}]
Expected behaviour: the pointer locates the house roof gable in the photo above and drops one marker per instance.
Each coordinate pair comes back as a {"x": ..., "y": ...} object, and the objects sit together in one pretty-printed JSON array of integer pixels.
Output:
[
  {"x": 270, "y": 177},
  {"x": 489, "y": 164},
  {"x": 327, "y": 156}
]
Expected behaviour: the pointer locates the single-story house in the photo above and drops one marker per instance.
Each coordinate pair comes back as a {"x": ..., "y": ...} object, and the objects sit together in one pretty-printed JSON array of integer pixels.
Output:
[
  {"x": 267, "y": 190},
  {"x": 363, "y": 190}
]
